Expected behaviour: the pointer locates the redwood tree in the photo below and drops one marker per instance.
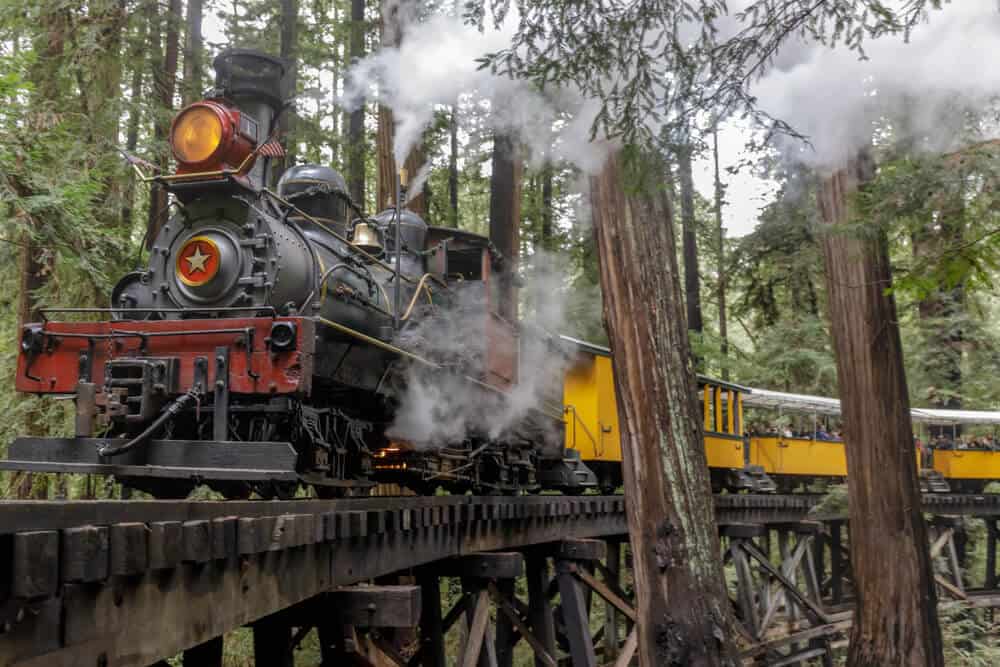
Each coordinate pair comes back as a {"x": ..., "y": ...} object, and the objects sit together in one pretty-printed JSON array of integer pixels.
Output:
[
  {"x": 895, "y": 619},
  {"x": 684, "y": 611}
]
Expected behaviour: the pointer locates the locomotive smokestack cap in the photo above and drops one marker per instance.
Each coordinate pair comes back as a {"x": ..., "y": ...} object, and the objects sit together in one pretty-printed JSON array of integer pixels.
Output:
[{"x": 252, "y": 75}]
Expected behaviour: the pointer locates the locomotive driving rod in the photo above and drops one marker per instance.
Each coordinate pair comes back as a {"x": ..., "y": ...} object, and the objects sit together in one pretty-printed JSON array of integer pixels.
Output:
[{"x": 148, "y": 432}]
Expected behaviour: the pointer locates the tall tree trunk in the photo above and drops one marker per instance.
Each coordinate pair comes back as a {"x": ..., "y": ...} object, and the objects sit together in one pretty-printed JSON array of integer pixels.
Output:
[
  {"x": 392, "y": 35},
  {"x": 356, "y": 132},
  {"x": 289, "y": 50},
  {"x": 723, "y": 332},
  {"x": 194, "y": 47},
  {"x": 505, "y": 215},
  {"x": 164, "y": 85},
  {"x": 453, "y": 165},
  {"x": 138, "y": 62},
  {"x": 940, "y": 312},
  {"x": 684, "y": 611},
  {"x": 547, "y": 227},
  {"x": 692, "y": 287},
  {"x": 895, "y": 618}
]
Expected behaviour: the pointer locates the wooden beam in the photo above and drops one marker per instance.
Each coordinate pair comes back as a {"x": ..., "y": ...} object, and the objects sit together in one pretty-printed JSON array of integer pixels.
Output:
[
  {"x": 581, "y": 550},
  {"x": 540, "y": 616},
  {"x": 376, "y": 606},
  {"x": 598, "y": 587},
  {"x": 628, "y": 650},
  {"x": 541, "y": 653},
  {"x": 431, "y": 624},
  {"x": 500, "y": 565},
  {"x": 574, "y": 611},
  {"x": 208, "y": 654},
  {"x": 477, "y": 632}
]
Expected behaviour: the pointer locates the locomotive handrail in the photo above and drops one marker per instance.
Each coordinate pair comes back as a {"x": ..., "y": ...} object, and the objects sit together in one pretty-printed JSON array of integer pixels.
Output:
[
  {"x": 315, "y": 221},
  {"x": 272, "y": 313}
]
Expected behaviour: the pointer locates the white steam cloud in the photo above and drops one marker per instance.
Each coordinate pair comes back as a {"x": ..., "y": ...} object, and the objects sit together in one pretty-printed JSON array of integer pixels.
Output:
[
  {"x": 836, "y": 98},
  {"x": 441, "y": 407},
  {"x": 435, "y": 63}
]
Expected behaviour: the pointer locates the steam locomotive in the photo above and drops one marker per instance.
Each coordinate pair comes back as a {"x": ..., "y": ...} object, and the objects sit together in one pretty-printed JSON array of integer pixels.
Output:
[{"x": 273, "y": 337}]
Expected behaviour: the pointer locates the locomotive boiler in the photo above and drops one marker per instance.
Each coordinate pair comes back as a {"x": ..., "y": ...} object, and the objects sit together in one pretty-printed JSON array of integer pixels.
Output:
[{"x": 273, "y": 336}]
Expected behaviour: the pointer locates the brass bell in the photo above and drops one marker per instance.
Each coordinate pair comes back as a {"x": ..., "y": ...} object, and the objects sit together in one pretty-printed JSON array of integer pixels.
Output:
[{"x": 366, "y": 238}]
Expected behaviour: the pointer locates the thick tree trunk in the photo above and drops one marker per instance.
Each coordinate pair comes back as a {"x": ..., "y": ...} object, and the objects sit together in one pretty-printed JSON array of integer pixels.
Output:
[
  {"x": 289, "y": 50},
  {"x": 684, "y": 612},
  {"x": 895, "y": 619},
  {"x": 138, "y": 63},
  {"x": 194, "y": 47},
  {"x": 723, "y": 331},
  {"x": 392, "y": 35},
  {"x": 164, "y": 84},
  {"x": 356, "y": 125},
  {"x": 692, "y": 287},
  {"x": 505, "y": 215}
]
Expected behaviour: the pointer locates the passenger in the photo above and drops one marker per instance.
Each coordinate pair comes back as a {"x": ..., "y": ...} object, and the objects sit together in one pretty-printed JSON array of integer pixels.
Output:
[{"x": 821, "y": 434}]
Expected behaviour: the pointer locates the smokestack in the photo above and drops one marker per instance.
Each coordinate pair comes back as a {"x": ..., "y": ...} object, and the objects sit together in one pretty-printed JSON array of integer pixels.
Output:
[{"x": 255, "y": 82}]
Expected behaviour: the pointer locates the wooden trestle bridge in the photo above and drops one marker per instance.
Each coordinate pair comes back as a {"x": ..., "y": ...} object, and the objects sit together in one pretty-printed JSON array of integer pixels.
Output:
[{"x": 109, "y": 583}]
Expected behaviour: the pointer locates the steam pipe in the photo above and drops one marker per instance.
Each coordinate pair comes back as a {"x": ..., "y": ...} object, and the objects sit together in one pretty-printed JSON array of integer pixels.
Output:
[
  {"x": 148, "y": 432},
  {"x": 398, "y": 296}
]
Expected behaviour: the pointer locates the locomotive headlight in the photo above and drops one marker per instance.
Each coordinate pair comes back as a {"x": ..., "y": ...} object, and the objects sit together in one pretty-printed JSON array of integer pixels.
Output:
[
  {"x": 196, "y": 134},
  {"x": 282, "y": 338}
]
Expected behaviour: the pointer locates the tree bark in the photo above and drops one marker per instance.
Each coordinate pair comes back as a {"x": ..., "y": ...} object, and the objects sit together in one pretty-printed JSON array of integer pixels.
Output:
[
  {"x": 684, "y": 611},
  {"x": 453, "y": 165},
  {"x": 138, "y": 63},
  {"x": 547, "y": 226},
  {"x": 288, "y": 50},
  {"x": 721, "y": 238},
  {"x": 164, "y": 85},
  {"x": 194, "y": 47},
  {"x": 692, "y": 287},
  {"x": 356, "y": 125},
  {"x": 505, "y": 215},
  {"x": 895, "y": 619},
  {"x": 392, "y": 35}
]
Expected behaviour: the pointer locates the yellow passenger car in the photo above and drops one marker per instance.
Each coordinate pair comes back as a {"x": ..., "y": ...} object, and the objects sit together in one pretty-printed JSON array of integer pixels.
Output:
[{"x": 591, "y": 416}]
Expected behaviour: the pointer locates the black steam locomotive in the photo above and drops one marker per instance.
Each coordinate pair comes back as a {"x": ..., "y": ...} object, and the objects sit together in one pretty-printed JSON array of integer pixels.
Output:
[{"x": 280, "y": 338}]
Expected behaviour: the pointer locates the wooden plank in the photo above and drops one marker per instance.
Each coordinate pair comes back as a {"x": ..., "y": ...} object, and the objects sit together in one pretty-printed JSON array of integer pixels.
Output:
[
  {"x": 541, "y": 653},
  {"x": 129, "y": 549},
  {"x": 477, "y": 633},
  {"x": 35, "y": 564},
  {"x": 85, "y": 554},
  {"x": 376, "y": 606},
  {"x": 197, "y": 541},
  {"x": 166, "y": 544},
  {"x": 819, "y": 613}
]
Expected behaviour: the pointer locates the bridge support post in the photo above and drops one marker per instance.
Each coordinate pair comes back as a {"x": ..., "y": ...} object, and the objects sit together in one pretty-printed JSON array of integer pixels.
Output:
[
  {"x": 572, "y": 557},
  {"x": 612, "y": 576},
  {"x": 208, "y": 654},
  {"x": 539, "y": 609},
  {"x": 272, "y": 642},
  {"x": 991, "y": 552},
  {"x": 836, "y": 561},
  {"x": 431, "y": 626}
]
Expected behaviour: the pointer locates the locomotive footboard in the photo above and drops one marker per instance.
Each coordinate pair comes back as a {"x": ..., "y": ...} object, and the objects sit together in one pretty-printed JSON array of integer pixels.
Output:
[{"x": 195, "y": 460}]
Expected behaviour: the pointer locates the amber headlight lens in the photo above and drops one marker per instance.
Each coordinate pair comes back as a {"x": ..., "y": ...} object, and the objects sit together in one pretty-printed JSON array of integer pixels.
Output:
[{"x": 197, "y": 135}]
